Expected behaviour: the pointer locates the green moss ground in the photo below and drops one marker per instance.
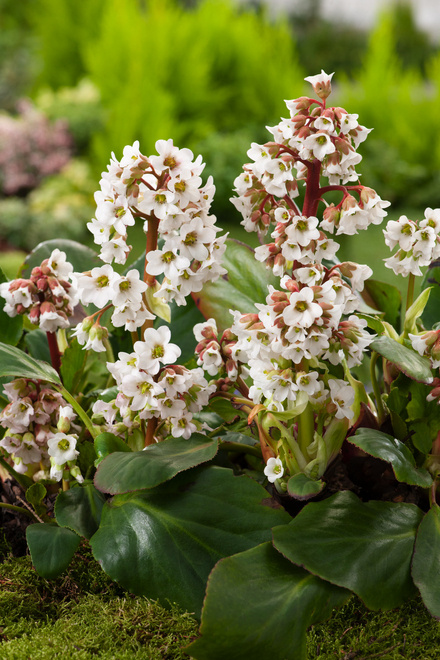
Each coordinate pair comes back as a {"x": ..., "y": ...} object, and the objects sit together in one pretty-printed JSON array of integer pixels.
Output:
[{"x": 83, "y": 615}]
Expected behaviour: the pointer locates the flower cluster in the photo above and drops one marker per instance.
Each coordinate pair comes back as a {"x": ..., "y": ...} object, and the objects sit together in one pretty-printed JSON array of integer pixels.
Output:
[
  {"x": 166, "y": 192},
  {"x": 170, "y": 394},
  {"x": 37, "y": 438},
  {"x": 418, "y": 242},
  {"x": 104, "y": 287},
  {"x": 314, "y": 139},
  {"x": 48, "y": 297}
]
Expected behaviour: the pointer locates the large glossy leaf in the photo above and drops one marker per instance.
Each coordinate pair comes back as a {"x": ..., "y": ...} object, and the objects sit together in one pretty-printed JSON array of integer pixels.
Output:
[
  {"x": 124, "y": 472},
  {"x": 258, "y": 605},
  {"x": 11, "y": 328},
  {"x": 431, "y": 314},
  {"x": 244, "y": 285},
  {"x": 385, "y": 298},
  {"x": 14, "y": 362},
  {"x": 79, "y": 509},
  {"x": 51, "y": 548},
  {"x": 411, "y": 363},
  {"x": 163, "y": 543},
  {"x": 426, "y": 560},
  {"x": 80, "y": 256},
  {"x": 381, "y": 445},
  {"x": 362, "y": 546}
]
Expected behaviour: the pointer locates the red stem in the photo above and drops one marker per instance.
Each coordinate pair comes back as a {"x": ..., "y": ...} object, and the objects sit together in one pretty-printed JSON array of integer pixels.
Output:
[
  {"x": 55, "y": 356},
  {"x": 312, "y": 196}
]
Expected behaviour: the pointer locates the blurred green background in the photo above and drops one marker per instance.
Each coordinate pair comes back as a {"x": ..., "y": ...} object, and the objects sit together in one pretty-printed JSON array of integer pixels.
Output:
[{"x": 79, "y": 80}]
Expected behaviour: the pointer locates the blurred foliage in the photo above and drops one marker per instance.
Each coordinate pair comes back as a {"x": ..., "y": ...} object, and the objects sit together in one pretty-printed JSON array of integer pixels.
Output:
[
  {"x": 401, "y": 158},
  {"x": 61, "y": 206},
  {"x": 18, "y": 65},
  {"x": 79, "y": 106},
  {"x": 63, "y": 28},
  {"x": 325, "y": 45},
  {"x": 163, "y": 70},
  {"x": 340, "y": 47}
]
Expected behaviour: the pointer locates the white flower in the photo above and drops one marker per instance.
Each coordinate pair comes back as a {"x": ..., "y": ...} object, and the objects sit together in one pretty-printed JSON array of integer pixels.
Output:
[
  {"x": 128, "y": 289},
  {"x": 400, "y": 232},
  {"x": 302, "y": 311},
  {"x": 342, "y": 395},
  {"x": 143, "y": 389},
  {"x": 319, "y": 144},
  {"x": 59, "y": 265},
  {"x": 97, "y": 288},
  {"x": 156, "y": 348},
  {"x": 62, "y": 448},
  {"x": 274, "y": 469}
]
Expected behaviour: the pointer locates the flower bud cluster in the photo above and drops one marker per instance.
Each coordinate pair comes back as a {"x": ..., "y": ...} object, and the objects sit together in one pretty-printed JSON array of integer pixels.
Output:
[
  {"x": 147, "y": 390},
  {"x": 37, "y": 439},
  {"x": 48, "y": 297},
  {"x": 418, "y": 242},
  {"x": 164, "y": 189},
  {"x": 215, "y": 355},
  {"x": 314, "y": 136}
]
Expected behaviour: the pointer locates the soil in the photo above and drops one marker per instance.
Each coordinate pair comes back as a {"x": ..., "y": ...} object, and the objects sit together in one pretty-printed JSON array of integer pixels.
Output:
[{"x": 13, "y": 525}]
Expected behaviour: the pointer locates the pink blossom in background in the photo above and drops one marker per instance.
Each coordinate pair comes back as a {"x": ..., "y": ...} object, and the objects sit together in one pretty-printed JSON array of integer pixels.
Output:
[{"x": 31, "y": 148}]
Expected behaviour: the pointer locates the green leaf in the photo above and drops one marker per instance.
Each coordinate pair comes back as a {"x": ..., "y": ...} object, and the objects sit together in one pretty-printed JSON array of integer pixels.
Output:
[
  {"x": 302, "y": 487},
  {"x": 37, "y": 345},
  {"x": 244, "y": 285},
  {"x": 411, "y": 363},
  {"x": 11, "y": 328},
  {"x": 126, "y": 472},
  {"x": 385, "y": 298},
  {"x": 415, "y": 311},
  {"x": 72, "y": 366},
  {"x": 362, "y": 546},
  {"x": 35, "y": 495},
  {"x": 80, "y": 256},
  {"x": 163, "y": 543},
  {"x": 383, "y": 446},
  {"x": 431, "y": 314},
  {"x": 107, "y": 443},
  {"x": 79, "y": 509},
  {"x": 51, "y": 548},
  {"x": 258, "y": 605},
  {"x": 426, "y": 560},
  {"x": 224, "y": 408},
  {"x": 14, "y": 362}
]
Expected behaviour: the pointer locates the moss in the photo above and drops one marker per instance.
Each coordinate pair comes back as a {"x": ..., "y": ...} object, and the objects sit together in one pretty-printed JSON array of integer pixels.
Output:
[
  {"x": 83, "y": 615},
  {"x": 355, "y": 633}
]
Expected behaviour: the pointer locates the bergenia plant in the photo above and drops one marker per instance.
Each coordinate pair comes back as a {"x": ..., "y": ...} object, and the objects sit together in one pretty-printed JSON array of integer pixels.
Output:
[{"x": 204, "y": 415}]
